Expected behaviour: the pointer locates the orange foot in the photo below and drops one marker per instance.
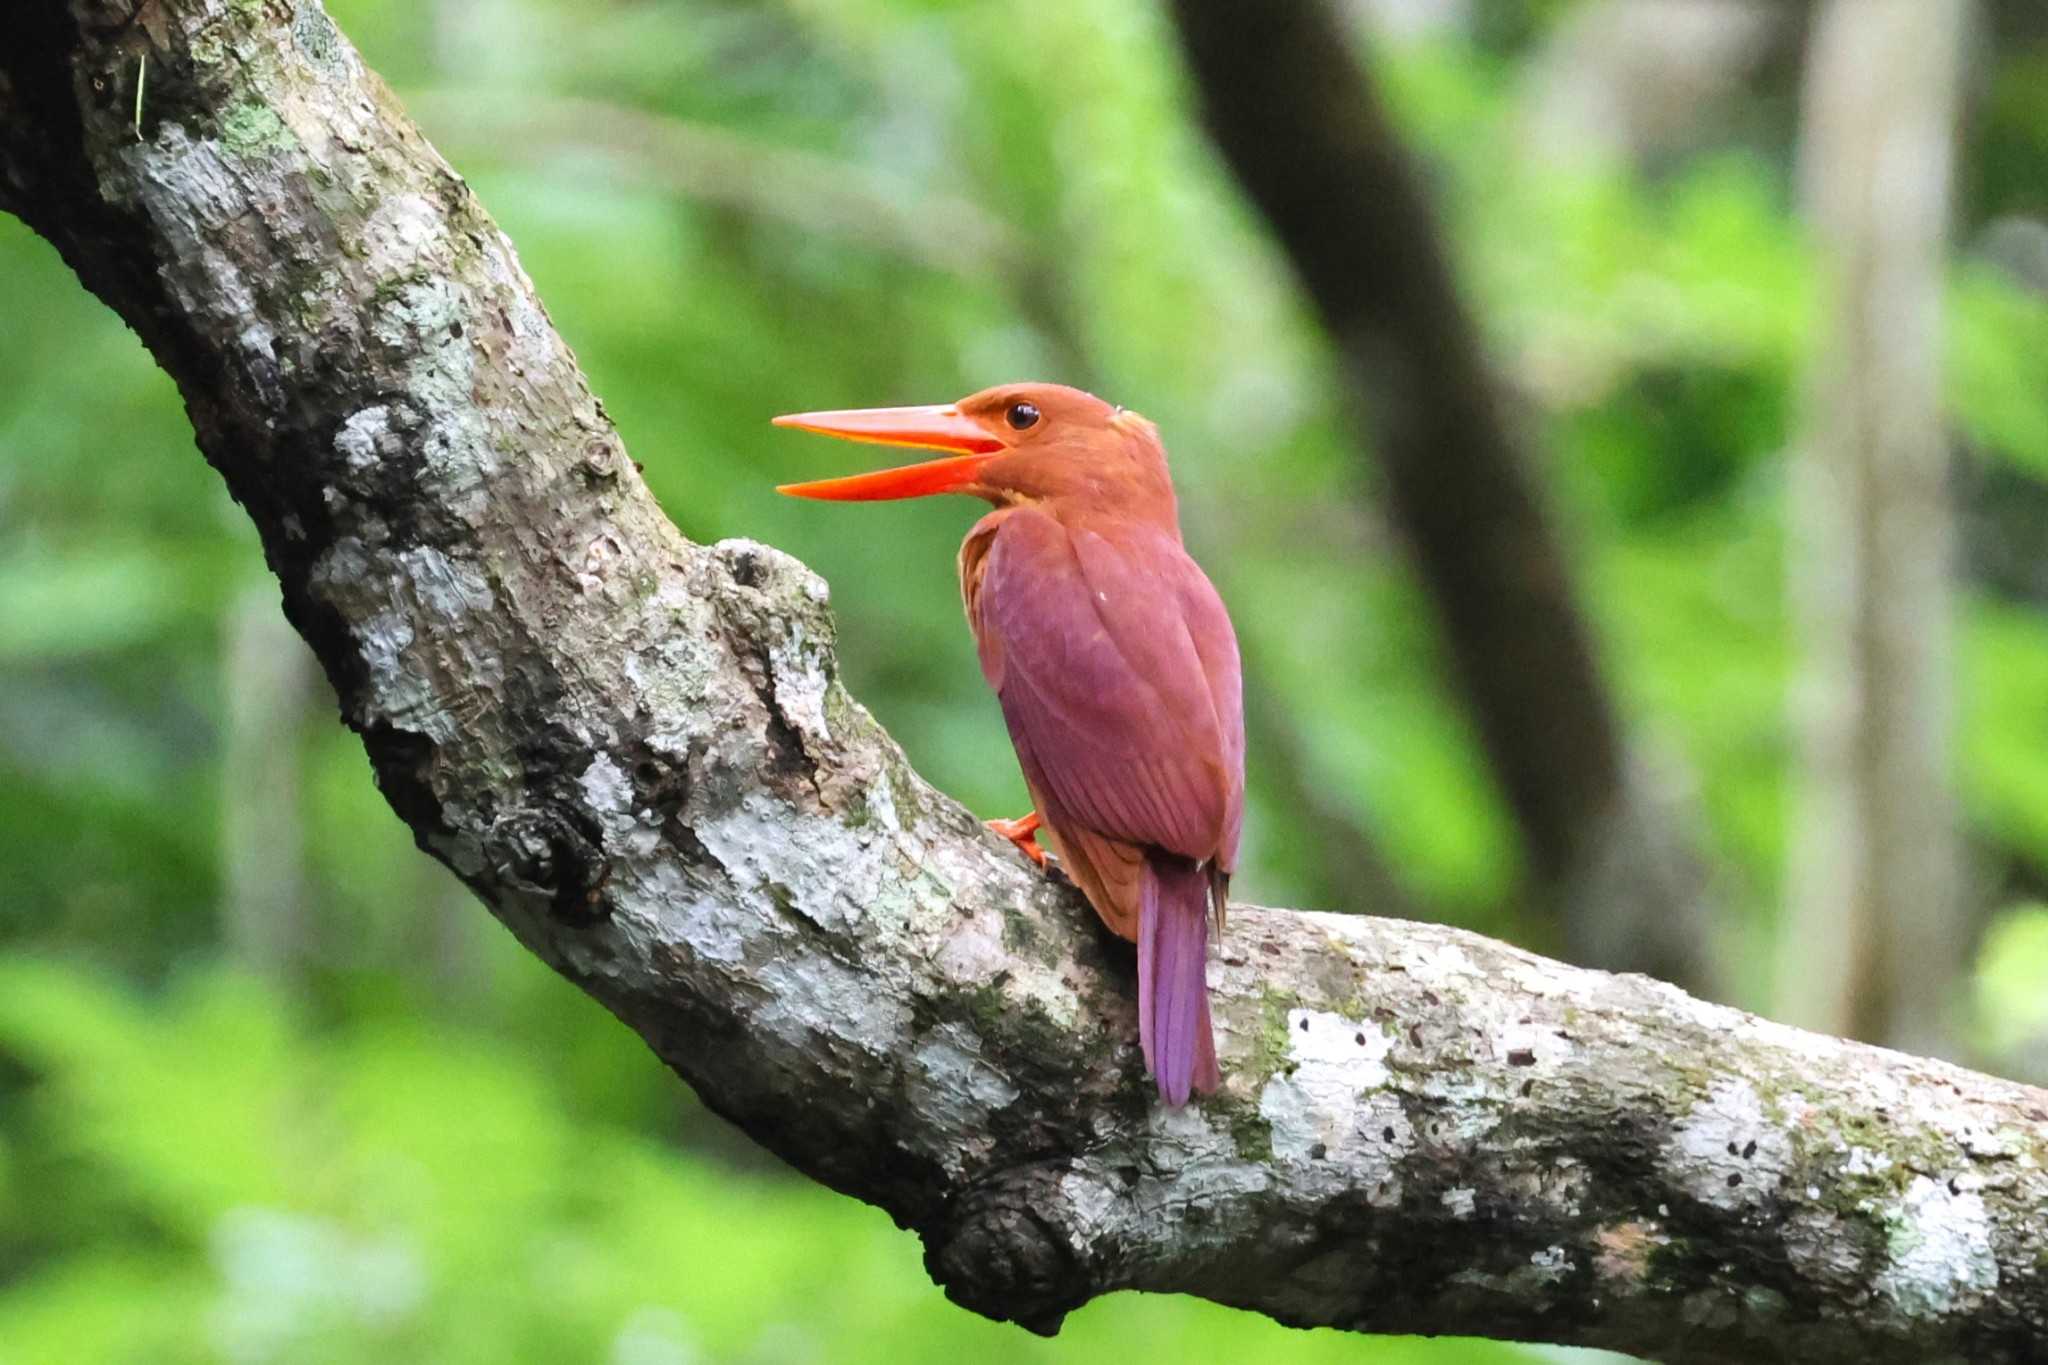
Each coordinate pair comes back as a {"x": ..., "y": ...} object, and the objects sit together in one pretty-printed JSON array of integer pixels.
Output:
[{"x": 1022, "y": 832}]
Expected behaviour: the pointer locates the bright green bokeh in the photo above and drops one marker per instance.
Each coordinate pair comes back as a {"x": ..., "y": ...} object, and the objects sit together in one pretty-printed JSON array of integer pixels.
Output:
[{"x": 418, "y": 1145}]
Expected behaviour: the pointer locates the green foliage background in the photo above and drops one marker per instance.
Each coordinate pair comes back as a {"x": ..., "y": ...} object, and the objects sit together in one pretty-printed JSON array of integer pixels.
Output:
[{"x": 414, "y": 1143}]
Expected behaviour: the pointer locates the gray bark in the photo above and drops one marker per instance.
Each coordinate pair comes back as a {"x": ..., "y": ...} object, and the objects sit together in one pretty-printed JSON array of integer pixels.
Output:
[
  {"x": 636, "y": 752},
  {"x": 1877, "y": 931}
]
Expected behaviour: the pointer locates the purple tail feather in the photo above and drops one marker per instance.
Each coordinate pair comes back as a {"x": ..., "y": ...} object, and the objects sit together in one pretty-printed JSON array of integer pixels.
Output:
[{"x": 1173, "y": 978}]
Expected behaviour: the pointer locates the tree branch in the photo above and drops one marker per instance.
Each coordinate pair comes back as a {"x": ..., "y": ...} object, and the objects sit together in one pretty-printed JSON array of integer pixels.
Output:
[{"x": 636, "y": 752}]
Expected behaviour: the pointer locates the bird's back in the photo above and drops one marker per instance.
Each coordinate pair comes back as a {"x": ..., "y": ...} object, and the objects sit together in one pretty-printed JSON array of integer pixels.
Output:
[{"x": 1118, "y": 674}]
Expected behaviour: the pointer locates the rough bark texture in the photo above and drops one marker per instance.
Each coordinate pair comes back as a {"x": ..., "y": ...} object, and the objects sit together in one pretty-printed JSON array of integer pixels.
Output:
[
  {"x": 1878, "y": 931},
  {"x": 635, "y": 751},
  {"x": 1297, "y": 118}
]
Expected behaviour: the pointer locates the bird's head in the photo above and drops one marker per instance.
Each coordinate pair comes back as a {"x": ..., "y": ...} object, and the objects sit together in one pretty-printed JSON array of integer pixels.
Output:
[{"x": 1014, "y": 443}]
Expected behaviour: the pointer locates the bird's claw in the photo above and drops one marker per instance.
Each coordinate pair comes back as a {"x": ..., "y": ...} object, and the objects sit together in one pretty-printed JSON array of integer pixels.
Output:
[{"x": 1023, "y": 832}]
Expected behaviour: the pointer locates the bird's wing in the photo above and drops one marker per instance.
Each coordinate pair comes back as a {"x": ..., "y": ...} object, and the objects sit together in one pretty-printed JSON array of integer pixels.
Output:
[
  {"x": 1215, "y": 642},
  {"x": 1118, "y": 676}
]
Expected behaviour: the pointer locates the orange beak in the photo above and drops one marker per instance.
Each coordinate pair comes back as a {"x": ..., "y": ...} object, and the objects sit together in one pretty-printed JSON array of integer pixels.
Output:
[{"x": 937, "y": 427}]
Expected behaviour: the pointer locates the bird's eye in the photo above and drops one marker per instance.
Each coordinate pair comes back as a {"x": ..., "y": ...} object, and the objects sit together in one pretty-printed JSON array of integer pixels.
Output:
[{"x": 1023, "y": 415}]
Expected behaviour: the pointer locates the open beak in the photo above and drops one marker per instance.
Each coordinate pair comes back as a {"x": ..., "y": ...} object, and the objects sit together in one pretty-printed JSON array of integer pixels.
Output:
[{"x": 936, "y": 427}]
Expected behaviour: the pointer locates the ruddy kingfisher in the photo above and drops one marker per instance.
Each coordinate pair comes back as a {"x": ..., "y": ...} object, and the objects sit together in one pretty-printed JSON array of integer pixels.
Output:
[{"x": 1114, "y": 661}]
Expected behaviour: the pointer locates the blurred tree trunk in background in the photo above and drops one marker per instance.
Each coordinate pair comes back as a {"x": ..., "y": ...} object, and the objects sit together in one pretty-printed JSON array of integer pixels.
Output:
[
  {"x": 269, "y": 679},
  {"x": 1410, "y": 19},
  {"x": 1612, "y": 857},
  {"x": 1876, "y": 932},
  {"x": 1623, "y": 80}
]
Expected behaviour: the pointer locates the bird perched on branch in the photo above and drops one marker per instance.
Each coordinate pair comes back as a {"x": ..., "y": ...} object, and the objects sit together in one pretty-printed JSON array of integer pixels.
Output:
[{"x": 1115, "y": 663}]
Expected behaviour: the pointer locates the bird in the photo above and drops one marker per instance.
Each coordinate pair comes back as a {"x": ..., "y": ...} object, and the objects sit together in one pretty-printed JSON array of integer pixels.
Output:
[{"x": 1113, "y": 659}]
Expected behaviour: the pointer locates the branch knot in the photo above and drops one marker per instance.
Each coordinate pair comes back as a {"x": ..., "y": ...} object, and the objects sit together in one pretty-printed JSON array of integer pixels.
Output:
[{"x": 997, "y": 1254}]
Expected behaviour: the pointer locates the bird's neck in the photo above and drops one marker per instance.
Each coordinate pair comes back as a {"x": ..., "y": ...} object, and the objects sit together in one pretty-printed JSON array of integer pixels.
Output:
[{"x": 1153, "y": 512}]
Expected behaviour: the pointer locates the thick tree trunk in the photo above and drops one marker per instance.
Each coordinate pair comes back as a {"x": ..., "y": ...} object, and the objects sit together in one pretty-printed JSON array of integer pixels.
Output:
[
  {"x": 1877, "y": 929},
  {"x": 635, "y": 751}
]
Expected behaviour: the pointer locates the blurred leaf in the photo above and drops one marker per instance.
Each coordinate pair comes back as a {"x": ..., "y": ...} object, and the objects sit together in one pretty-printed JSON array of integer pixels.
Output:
[
  {"x": 119, "y": 1308},
  {"x": 2012, "y": 1008},
  {"x": 92, "y": 600},
  {"x": 407, "y": 1193},
  {"x": 1998, "y": 368},
  {"x": 2004, "y": 725}
]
